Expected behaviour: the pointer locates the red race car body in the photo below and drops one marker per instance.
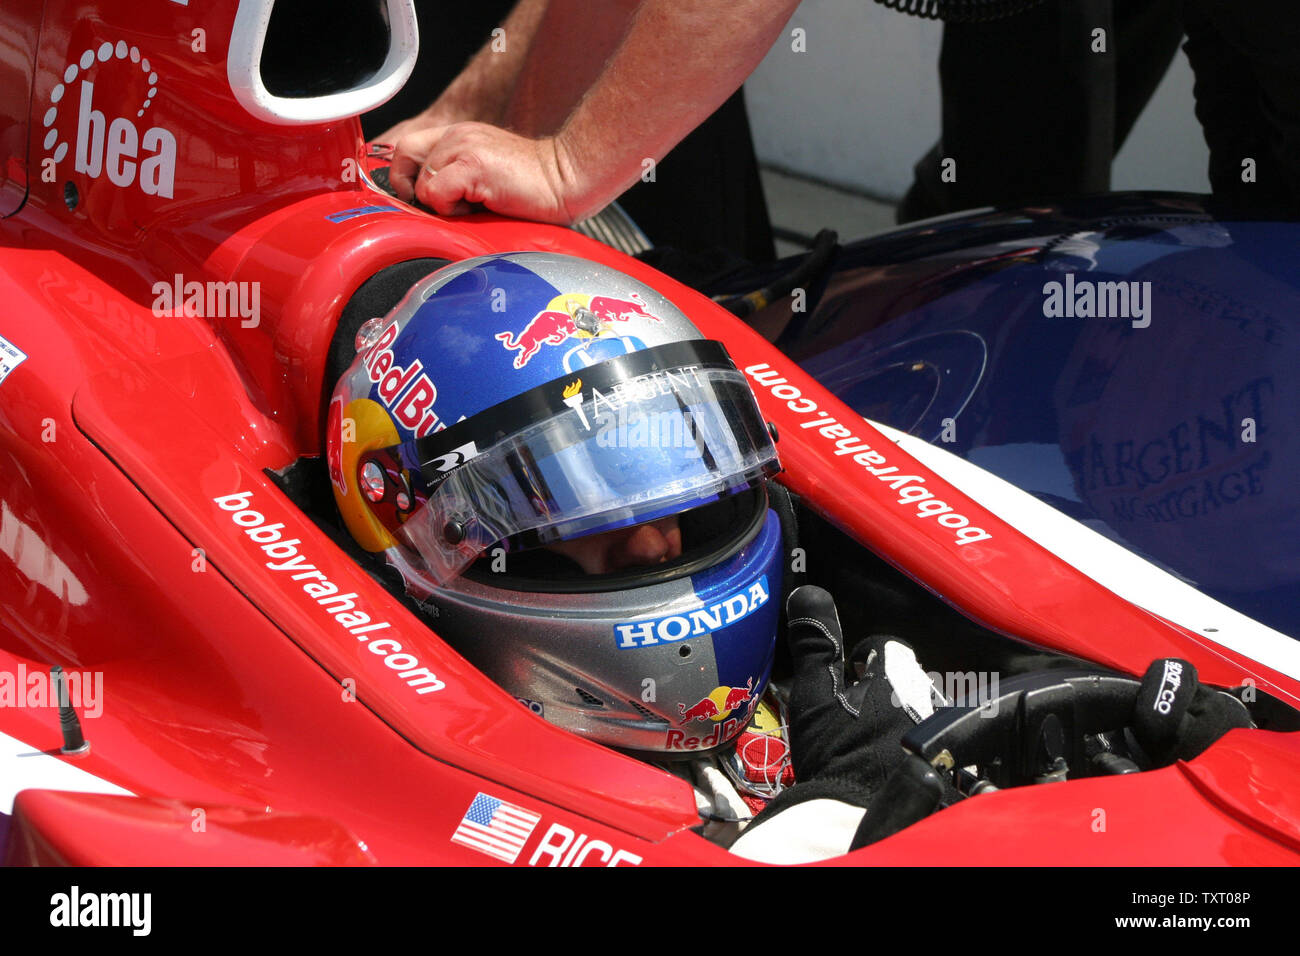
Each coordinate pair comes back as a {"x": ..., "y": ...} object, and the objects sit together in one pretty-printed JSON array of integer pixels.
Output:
[{"x": 174, "y": 258}]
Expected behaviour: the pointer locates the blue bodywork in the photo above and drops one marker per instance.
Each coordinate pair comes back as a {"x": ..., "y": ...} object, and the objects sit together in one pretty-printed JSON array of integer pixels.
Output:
[{"x": 1169, "y": 427}]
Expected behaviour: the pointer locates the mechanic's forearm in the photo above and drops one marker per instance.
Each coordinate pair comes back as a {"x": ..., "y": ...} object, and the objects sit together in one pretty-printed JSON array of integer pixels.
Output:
[
  {"x": 678, "y": 63},
  {"x": 482, "y": 90},
  {"x": 574, "y": 41}
]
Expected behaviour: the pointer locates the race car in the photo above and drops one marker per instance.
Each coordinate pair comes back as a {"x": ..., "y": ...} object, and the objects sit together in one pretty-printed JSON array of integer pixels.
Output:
[{"x": 194, "y": 237}]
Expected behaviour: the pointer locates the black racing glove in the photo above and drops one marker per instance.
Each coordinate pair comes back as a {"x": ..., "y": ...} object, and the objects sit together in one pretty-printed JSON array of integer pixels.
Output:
[
  {"x": 1178, "y": 718},
  {"x": 842, "y": 732},
  {"x": 844, "y": 735}
]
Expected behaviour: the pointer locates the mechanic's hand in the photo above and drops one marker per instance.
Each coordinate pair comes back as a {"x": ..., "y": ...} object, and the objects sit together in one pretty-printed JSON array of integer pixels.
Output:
[
  {"x": 394, "y": 135},
  {"x": 444, "y": 112},
  {"x": 451, "y": 168},
  {"x": 848, "y": 731}
]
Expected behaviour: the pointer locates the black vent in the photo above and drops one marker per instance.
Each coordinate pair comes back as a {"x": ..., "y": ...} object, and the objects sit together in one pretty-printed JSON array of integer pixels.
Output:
[
  {"x": 646, "y": 712},
  {"x": 589, "y": 698}
]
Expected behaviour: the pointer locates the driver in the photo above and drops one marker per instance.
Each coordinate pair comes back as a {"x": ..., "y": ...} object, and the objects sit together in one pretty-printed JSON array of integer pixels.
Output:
[
  {"x": 575, "y": 482},
  {"x": 577, "y": 485}
]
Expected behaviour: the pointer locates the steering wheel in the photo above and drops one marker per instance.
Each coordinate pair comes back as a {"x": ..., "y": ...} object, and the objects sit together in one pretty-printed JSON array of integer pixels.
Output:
[{"x": 1035, "y": 730}]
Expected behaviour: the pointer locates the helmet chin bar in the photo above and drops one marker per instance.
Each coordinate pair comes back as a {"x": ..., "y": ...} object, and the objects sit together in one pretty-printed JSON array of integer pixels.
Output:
[{"x": 583, "y": 655}]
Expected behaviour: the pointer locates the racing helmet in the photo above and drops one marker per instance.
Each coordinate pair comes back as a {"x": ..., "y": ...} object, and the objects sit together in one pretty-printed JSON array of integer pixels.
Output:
[{"x": 514, "y": 406}]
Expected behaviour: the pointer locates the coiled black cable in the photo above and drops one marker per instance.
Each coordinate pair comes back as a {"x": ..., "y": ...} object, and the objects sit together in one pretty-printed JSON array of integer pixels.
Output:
[{"x": 960, "y": 11}]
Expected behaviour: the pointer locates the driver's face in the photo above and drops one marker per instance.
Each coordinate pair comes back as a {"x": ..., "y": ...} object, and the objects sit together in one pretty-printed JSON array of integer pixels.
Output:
[{"x": 643, "y": 545}]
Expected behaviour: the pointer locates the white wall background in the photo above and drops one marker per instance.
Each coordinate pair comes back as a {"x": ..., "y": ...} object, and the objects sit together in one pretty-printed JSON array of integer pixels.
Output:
[{"x": 862, "y": 105}]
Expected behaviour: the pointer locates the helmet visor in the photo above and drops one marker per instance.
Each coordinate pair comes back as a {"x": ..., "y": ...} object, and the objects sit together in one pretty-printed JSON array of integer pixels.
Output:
[{"x": 621, "y": 443}]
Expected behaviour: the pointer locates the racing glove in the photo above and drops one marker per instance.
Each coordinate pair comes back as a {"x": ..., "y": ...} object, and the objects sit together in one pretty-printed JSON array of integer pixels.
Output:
[{"x": 844, "y": 734}]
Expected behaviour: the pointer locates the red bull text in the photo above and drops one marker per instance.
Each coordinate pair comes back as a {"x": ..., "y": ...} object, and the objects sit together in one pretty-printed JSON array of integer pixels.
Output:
[
  {"x": 407, "y": 391},
  {"x": 721, "y": 733}
]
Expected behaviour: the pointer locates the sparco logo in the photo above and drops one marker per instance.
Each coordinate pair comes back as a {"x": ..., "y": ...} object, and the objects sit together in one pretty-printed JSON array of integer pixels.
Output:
[
  {"x": 114, "y": 147},
  {"x": 1169, "y": 684},
  {"x": 676, "y": 627}
]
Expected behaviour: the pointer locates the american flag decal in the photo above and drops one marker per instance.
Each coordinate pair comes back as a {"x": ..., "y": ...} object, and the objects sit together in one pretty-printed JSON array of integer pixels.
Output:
[{"x": 495, "y": 827}]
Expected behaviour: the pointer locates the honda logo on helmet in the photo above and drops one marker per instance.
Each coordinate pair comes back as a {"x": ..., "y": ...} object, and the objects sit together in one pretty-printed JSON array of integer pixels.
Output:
[{"x": 700, "y": 621}]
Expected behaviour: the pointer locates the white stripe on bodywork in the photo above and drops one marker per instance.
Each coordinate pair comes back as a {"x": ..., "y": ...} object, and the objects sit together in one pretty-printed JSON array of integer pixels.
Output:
[
  {"x": 1111, "y": 565},
  {"x": 23, "y": 767}
]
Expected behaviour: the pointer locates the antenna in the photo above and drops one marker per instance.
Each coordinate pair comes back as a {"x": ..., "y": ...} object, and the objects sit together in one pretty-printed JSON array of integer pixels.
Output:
[{"x": 73, "y": 740}]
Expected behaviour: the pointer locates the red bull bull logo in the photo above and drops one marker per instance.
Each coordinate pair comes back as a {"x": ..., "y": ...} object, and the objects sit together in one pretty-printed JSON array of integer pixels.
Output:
[
  {"x": 727, "y": 707},
  {"x": 719, "y": 704},
  {"x": 572, "y": 315}
]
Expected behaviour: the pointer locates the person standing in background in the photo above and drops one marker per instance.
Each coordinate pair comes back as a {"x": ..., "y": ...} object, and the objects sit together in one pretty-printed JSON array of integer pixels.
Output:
[
  {"x": 1036, "y": 105},
  {"x": 680, "y": 59}
]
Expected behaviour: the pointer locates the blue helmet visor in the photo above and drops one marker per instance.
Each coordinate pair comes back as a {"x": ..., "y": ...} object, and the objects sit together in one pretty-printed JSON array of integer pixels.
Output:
[{"x": 650, "y": 445}]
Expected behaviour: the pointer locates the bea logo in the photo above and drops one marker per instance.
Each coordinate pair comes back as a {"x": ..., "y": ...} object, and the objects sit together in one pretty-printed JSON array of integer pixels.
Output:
[{"x": 112, "y": 147}]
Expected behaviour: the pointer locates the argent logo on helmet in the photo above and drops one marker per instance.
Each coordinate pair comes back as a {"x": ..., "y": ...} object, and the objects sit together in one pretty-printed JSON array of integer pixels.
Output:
[{"x": 572, "y": 395}]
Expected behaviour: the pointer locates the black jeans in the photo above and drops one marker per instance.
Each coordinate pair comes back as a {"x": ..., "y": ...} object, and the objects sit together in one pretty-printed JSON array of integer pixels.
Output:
[
  {"x": 1031, "y": 111},
  {"x": 1246, "y": 56},
  {"x": 1027, "y": 116}
]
